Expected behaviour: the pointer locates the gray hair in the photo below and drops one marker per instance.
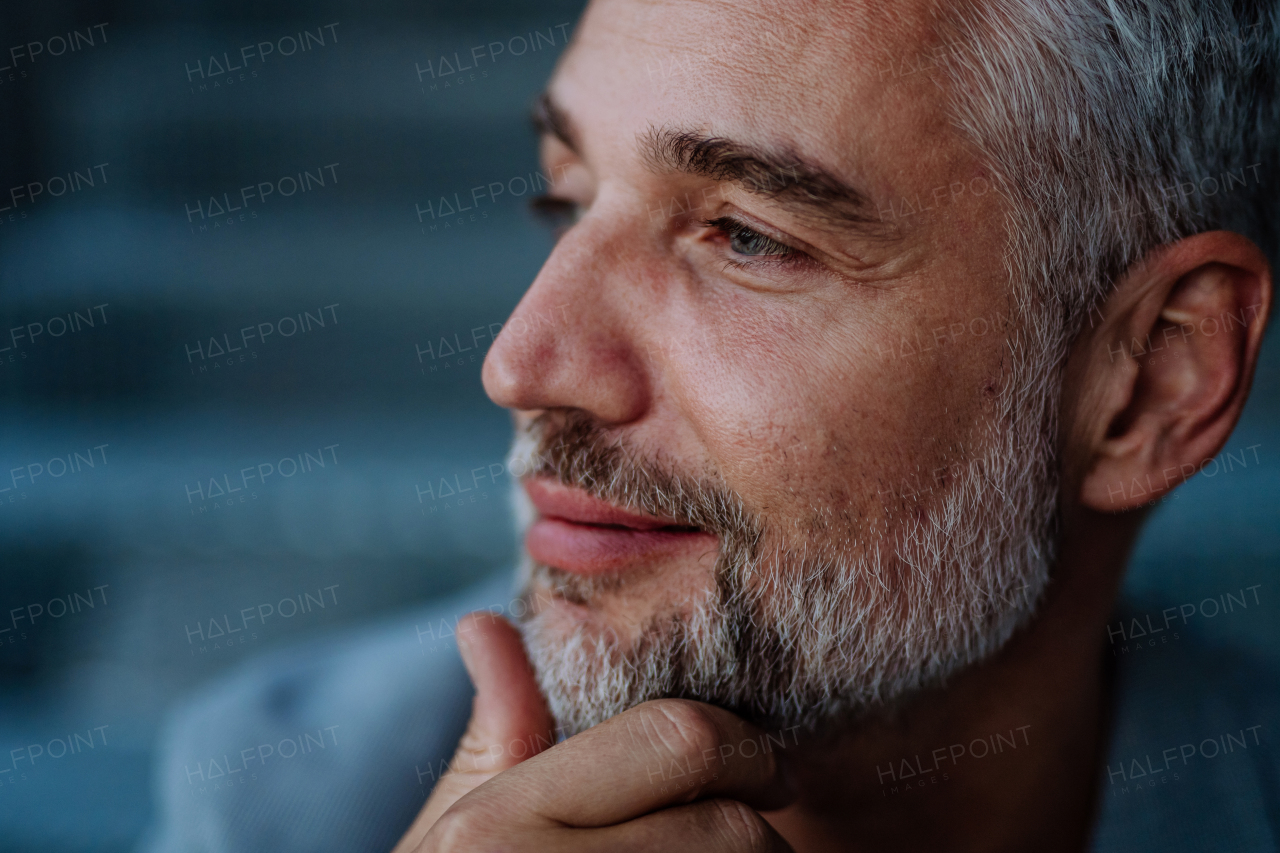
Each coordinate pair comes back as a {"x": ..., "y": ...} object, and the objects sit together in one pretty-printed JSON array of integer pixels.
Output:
[{"x": 1115, "y": 126}]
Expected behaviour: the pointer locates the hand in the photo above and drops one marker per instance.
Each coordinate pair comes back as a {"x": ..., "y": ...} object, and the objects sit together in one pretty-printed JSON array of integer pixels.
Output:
[{"x": 666, "y": 775}]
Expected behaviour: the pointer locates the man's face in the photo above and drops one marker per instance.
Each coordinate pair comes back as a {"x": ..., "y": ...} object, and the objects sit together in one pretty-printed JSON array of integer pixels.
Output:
[{"x": 779, "y": 326}]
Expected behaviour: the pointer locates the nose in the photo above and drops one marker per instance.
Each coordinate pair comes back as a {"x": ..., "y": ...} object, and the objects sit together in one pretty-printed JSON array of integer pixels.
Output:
[{"x": 571, "y": 341}]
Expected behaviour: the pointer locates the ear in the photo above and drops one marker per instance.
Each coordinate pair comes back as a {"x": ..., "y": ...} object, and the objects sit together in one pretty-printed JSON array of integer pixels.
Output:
[{"x": 1155, "y": 387}]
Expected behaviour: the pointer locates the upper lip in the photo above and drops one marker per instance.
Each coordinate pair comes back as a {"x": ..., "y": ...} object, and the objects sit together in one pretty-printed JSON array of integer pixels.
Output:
[{"x": 554, "y": 499}]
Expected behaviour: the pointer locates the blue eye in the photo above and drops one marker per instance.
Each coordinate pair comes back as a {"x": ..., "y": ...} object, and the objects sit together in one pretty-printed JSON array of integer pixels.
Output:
[{"x": 745, "y": 241}]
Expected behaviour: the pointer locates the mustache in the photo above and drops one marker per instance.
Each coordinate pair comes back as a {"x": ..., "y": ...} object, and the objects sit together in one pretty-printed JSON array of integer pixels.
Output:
[{"x": 576, "y": 450}]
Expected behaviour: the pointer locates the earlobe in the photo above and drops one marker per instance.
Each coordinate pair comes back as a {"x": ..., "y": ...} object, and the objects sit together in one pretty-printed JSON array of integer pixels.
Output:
[{"x": 1168, "y": 371}]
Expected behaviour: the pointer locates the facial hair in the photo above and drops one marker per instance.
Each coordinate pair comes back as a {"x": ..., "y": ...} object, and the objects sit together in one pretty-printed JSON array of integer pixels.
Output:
[{"x": 789, "y": 635}]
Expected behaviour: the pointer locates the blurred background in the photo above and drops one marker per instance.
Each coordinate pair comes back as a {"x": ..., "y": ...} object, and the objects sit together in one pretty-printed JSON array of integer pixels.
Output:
[{"x": 251, "y": 258}]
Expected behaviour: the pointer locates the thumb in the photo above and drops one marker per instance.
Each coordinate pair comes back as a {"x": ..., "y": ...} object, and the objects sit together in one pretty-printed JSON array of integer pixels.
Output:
[{"x": 509, "y": 717}]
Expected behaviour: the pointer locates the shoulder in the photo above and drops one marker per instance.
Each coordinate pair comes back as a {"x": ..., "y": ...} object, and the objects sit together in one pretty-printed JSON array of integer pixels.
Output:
[
  {"x": 328, "y": 746},
  {"x": 1192, "y": 761}
]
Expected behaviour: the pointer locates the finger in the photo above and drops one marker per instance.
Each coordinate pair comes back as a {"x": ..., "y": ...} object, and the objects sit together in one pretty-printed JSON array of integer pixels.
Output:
[
  {"x": 660, "y": 754},
  {"x": 709, "y": 826},
  {"x": 509, "y": 718}
]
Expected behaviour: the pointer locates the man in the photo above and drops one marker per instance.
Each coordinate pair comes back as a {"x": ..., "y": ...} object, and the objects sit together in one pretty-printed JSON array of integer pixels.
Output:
[{"x": 883, "y": 326}]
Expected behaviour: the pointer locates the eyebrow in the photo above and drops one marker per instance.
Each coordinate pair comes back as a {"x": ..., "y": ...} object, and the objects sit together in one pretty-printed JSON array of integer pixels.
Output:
[
  {"x": 550, "y": 120},
  {"x": 804, "y": 188},
  {"x": 778, "y": 175}
]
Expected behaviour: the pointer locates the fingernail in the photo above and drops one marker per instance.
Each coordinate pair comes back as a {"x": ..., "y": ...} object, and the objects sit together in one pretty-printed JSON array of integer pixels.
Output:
[{"x": 464, "y": 650}]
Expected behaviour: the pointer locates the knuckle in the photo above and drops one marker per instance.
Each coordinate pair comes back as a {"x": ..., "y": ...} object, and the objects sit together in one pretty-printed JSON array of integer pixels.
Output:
[
  {"x": 679, "y": 726},
  {"x": 740, "y": 826}
]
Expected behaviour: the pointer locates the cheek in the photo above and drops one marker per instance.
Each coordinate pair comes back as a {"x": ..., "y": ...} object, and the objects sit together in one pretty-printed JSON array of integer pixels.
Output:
[
  {"x": 776, "y": 415},
  {"x": 801, "y": 419}
]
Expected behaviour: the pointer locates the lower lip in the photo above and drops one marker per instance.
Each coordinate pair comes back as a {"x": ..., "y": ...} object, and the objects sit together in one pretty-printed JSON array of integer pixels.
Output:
[{"x": 589, "y": 549}]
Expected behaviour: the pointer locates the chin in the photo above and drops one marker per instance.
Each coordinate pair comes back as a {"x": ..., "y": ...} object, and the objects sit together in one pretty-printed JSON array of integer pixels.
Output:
[
  {"x": 560, "y": 616},
  {"x": 564, "y": 609}
]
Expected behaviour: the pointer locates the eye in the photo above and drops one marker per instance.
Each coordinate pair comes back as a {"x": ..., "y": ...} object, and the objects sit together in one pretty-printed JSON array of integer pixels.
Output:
[
  {"x": 747, "y": 241},
  {"x": 559, "y": 214},
  {"x": 747, "y": 247}
]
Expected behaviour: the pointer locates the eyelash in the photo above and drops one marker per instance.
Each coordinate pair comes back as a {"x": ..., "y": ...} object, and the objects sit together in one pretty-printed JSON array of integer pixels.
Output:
[
  {"x": 561, "y": 214},
  {"x": 776, "y": 251}
]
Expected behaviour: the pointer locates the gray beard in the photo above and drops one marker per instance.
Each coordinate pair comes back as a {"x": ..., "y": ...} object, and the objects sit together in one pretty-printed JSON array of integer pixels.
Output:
[{"x": 811, "y": 639}]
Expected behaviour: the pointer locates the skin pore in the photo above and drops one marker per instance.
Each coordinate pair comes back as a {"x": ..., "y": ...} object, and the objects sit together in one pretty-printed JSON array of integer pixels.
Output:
[{"x": 748, "y": 336}]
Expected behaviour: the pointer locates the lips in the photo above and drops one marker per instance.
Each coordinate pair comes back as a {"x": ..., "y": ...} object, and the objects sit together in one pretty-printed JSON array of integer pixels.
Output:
[{"x": 582, "y": 534}]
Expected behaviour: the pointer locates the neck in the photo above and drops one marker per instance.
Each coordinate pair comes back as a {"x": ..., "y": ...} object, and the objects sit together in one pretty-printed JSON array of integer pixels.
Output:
[{"x": 1005, "y": 757}]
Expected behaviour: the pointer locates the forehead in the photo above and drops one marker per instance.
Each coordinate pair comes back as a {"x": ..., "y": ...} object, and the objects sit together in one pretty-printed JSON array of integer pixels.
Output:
[{"x": 849, "y": 84}]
